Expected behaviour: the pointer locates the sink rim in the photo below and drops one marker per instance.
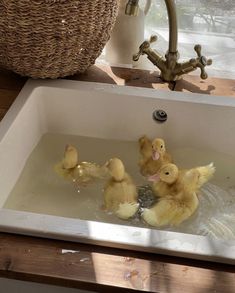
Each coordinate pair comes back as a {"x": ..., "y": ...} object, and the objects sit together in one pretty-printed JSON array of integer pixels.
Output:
[
  {"x": 139, "y": 238},
  {"x": 171, "y": 243}
]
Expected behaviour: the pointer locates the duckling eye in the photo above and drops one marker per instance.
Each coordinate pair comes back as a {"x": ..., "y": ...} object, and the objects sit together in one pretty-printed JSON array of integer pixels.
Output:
[
  {"x": 161, "y": 146},
  {"x": 167, "y": 173}
]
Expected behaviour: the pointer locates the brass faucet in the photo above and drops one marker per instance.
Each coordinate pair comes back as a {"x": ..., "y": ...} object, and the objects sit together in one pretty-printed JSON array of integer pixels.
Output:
[{"x": 169, "y": 66}]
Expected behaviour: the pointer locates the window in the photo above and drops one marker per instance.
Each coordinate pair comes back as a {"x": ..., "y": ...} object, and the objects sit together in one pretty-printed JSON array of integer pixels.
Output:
[{"x": 210, "y": 23}]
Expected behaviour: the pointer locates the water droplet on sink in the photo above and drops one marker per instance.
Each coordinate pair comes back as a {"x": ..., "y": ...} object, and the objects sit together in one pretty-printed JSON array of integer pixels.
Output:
[{"x": 135, "y": 234}]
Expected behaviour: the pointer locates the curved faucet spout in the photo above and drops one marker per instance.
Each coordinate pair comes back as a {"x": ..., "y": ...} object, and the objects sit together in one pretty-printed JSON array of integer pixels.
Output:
[
  {"x": 169, "y": 66},
  {"x": 173, "y": 30},
  {"x": 132, "y": 8}
]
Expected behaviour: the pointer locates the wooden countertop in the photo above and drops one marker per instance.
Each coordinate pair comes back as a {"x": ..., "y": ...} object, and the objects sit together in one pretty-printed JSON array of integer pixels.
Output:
[{"x": 105, "y": 269}]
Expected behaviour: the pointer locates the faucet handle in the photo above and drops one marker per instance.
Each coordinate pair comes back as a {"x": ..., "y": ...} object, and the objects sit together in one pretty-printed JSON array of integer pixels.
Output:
[
  {"x": 145, "y": 45},
  {"x": 202, "y": 61},
  {"x": 153, "y": 39}
]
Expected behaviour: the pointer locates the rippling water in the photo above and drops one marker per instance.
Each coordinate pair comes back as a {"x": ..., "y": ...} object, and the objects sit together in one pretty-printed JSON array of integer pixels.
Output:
[{"x": 40, "y": 190}]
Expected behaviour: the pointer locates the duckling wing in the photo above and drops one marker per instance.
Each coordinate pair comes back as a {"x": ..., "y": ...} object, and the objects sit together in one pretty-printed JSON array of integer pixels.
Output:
[
  {"x": 205, "y": 174},
  {"x": 111, "y": 196},
  {"x": 129, "y": 192},
  {"x": 186, "y": 209},
  {"x": 171, "y": 211},
  {"x": 189, "y": 181},
  {"x": 162, "y": 213},
  {"x": 193, "y": 179},
  {"x": 116, "y": 193}
]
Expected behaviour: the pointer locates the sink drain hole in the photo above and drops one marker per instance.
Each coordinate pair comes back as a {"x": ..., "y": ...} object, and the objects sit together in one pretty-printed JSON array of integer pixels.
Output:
[{"x": 160, "y": 116}]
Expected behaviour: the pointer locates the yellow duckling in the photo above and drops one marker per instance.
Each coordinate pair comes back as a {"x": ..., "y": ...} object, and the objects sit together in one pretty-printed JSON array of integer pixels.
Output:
[
  {"x": 70, "y": 159},
  {"x": 120, "y": 193},
  {"x": 170, "y": 180},
  {"x": 145, "y": 145},
  {"x": 81, "y": 173},
  {"x": 177, "y": 189},
  {"x": 154, "y": 155}
]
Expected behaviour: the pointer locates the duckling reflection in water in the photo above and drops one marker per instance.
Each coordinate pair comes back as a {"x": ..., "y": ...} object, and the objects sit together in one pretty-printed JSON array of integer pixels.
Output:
[
  {"x": 120, "y": 192},
  {"x": 177, "y": 190},
  {"x": 80, "y": 173},
  {"x": 153, "y": 155}
]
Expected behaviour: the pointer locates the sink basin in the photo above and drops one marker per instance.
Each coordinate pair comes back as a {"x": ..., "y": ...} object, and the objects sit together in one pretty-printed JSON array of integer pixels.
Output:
[{"x": 199, "y": 129}]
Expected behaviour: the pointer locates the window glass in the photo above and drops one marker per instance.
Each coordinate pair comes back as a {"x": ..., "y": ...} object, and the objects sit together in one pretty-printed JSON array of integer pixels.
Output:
[{"x": 210, "y": 23}]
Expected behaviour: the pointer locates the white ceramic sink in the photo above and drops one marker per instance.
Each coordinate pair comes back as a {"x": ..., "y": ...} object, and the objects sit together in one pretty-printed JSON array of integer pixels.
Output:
[{"x": 118, "y": 113}]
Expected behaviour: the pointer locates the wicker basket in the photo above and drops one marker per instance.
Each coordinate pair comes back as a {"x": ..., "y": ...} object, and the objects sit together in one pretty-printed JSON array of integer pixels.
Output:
[{"x": 53, "y": 38}]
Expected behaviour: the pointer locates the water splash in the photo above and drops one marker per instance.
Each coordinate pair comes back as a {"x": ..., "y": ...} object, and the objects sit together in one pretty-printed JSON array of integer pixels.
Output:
[
  {"x": 215, "y": 216},
  {"x": 40, "y": 190}
]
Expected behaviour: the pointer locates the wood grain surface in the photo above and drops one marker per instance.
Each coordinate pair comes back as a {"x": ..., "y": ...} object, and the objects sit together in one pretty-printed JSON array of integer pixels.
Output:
[{"x": 106, "y": 270}]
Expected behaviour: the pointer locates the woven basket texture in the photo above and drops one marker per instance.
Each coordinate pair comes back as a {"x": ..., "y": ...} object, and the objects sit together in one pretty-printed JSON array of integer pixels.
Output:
[{"x": 53, "y": 38}]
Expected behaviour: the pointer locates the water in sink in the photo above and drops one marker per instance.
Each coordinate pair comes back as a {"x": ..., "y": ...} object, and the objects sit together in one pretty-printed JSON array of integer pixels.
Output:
[{"x": 40, "y": 190}]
